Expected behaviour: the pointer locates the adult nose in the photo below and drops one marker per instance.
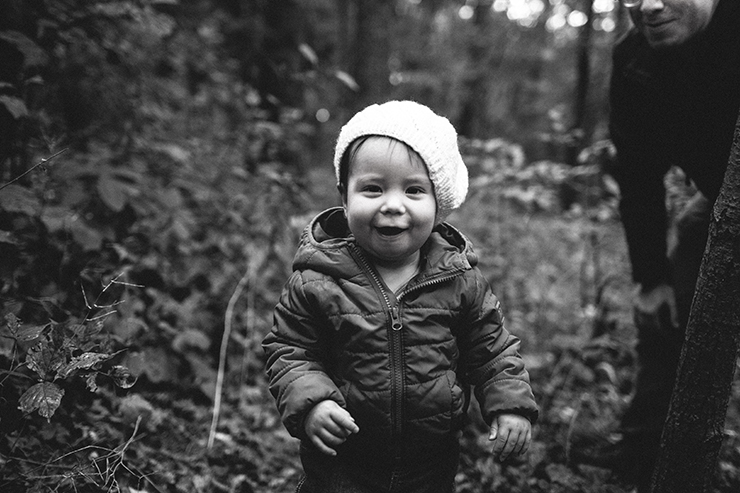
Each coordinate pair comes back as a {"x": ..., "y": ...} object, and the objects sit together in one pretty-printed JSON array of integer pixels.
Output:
[{"x": 651, "y": 5}]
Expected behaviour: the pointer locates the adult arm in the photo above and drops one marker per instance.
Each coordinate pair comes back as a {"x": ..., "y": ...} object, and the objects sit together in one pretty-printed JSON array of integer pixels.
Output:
[{"x": 641, "y": 135}]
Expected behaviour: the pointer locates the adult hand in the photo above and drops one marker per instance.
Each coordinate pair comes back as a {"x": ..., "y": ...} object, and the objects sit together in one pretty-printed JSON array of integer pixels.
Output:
[
  {"x": 656, "y": 308},
  {"x": 328, "y": 424},
  {"x": 511, "y": 434}
]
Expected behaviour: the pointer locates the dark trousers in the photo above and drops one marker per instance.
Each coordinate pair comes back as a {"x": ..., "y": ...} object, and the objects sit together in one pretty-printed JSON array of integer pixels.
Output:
[
  {"x": 373, "y": 474},
  {"x": 658, "y": 346}
]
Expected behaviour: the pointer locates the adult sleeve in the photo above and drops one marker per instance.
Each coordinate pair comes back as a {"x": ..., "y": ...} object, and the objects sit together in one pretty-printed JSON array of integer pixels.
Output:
[{"x": 637, "y": 130}]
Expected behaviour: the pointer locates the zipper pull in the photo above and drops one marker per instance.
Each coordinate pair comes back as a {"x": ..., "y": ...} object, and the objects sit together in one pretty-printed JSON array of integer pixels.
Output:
[{"x": 395, "y": 319}]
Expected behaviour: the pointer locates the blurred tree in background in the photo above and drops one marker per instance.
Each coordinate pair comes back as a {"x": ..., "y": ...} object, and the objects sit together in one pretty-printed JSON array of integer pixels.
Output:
[{"x": 530, "y": 70}]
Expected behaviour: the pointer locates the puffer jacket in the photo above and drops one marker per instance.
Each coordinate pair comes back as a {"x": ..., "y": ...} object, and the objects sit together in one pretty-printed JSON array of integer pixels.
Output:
[{"x": 400, "y": 364}]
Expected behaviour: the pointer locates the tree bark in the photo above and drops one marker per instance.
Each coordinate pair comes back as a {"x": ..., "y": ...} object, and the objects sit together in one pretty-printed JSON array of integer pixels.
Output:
[
  {"x": 470, "y": 119},
  {"x": 692, "y": 434},
  {"x": 372, "y": 51},
  {"x": 583, "y": 85}
]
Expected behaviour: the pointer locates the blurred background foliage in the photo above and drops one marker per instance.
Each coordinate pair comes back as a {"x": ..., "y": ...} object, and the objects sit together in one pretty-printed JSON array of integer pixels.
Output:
[{"x": 159, "y": 159}]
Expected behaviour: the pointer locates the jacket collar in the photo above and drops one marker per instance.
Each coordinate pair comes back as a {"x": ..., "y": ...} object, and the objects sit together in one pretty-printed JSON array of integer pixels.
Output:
[{"x": 326, "y": 242}]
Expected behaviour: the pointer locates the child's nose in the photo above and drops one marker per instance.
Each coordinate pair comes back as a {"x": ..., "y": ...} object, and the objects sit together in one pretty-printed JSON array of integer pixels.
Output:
[{"x": 393, "y": 204}]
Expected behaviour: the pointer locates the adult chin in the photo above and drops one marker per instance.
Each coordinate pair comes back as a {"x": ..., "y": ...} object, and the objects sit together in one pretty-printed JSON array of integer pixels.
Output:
[{"x": 664, "y": 35}]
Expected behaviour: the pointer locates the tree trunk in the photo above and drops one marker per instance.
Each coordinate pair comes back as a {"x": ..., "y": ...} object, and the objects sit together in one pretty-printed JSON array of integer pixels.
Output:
[
  {"x": 693, "y": 431},
  {"x": 584, "y": 82},
  {"x": 474, "y": 106},
  {"x": 372, "y": 50}
]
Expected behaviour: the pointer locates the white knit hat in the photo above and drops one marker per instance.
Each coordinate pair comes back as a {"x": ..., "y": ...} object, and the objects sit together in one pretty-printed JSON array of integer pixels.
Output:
[{"x": 432, "y": 136}]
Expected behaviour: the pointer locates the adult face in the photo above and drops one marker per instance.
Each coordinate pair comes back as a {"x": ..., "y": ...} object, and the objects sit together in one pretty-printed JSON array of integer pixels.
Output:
[
  {"x": 671, "y": 23},
  {"x": 389, "y": 202}
]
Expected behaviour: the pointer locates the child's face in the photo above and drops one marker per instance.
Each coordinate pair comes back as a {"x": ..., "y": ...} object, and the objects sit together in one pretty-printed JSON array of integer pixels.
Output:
[{"x": 389, "y": 201}]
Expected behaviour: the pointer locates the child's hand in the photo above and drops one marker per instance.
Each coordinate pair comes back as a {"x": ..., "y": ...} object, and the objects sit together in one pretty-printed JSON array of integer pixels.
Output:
[
  {"x": 328, "y": 424},
  {"x": 511, "y": 434}
]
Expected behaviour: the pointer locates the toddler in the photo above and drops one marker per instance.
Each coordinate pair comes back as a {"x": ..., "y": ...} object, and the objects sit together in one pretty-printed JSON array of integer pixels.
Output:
[{"x": 386, "y": 322}]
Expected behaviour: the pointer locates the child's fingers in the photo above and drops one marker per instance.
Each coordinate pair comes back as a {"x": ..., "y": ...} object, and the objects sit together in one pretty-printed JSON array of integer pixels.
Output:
[
  {"x": 345, "y": 422},
  {"x": 319, "y": 443},
  {"x": 331, "y": 439},
  {"x": 521, "y": 445},
  {"x": 494, "y": 432},
  {"x": 500, "y": 443},
  {"x": 508, "y": 445},
  {"x": 525, "y": 443},
  {"x": 335, "y": 428}
]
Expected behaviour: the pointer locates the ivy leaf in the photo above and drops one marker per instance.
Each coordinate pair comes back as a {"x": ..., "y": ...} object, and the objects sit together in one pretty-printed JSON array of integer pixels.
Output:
[
  {"x": 44, "y": 396},
  {"x": 83, "y": 362}
]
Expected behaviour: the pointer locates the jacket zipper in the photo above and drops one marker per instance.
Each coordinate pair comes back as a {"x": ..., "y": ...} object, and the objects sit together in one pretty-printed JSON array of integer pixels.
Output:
[
  {"x": 395, "y": 334},
  {"x": 396, "y": 344}
]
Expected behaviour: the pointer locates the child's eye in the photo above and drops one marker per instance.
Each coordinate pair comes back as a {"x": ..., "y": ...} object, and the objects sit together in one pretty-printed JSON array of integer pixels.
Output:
[
  {"x": 415, "y": 190},
  {"x": 371, "y": 189}
]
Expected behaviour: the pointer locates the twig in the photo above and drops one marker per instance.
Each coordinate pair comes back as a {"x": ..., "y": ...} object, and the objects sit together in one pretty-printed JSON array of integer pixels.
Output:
[
  {"x": 40, "y": 163},
  {"x": 222, "y": 357},
  {"x": 571, "y": 428}
]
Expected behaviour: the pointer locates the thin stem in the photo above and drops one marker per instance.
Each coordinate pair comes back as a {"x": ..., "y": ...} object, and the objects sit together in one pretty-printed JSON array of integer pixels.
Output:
[
  {"x": 40, "y": 163},
  {"x": 222, "y": 358}
]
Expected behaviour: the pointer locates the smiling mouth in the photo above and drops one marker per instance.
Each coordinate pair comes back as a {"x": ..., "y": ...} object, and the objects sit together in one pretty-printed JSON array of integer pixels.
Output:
[
  {"x": 656, "y": 24},
  {"x": 390, "y": 231}
]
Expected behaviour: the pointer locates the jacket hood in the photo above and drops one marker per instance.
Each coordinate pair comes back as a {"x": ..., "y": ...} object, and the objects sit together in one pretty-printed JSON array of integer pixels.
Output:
[{"x": 326, "y": 246}]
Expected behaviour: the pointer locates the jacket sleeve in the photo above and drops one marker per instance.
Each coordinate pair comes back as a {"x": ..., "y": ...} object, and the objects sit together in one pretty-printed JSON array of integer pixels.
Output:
[
  {"x": 491, "y": 361},
  {"x": 638, "y": 130},
  {"x": 295, "y": 353}
]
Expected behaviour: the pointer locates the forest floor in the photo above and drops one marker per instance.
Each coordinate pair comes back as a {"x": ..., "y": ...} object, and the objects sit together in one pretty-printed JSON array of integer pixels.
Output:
[{"x": 563, "y": 280}]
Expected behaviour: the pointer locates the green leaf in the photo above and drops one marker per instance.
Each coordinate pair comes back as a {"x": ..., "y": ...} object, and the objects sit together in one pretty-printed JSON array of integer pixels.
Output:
[
  {"x": 9, "y": 238},
  {"x": 15, "y": 106},
  {"x": 15, "y": 198},
  {"x": 30, "y": 332},
  {"x": 112, "y": 192},
  {"x": 82, "y": 362},
  {"x": 89, "y": 238},
  {"x": 43, "y": 360},
  {"x": 32, "y": 53},
  {"x": 44, "y": 396},
  {"x": 56, "y": 218},
  {"x": 13, "y": 323}
]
